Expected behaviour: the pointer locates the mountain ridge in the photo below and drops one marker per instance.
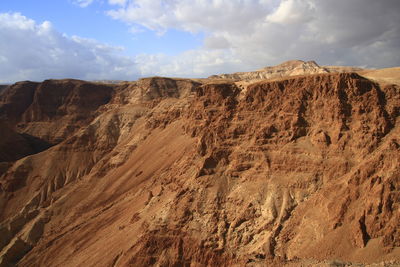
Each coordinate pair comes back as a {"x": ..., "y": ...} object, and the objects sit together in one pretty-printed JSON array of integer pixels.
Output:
[
  {"x": 285, "y": 69},
  {"x": 171, "y": 172}
]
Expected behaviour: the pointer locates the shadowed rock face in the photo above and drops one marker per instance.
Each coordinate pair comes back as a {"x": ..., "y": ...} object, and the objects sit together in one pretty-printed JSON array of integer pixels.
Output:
[
  {"x": 53, "y": 109},
  {"x": 3, "y": 87},
  {"x": 172, "y": 172},
  {"x": 16, "y": 99},
  {"x": 13, "y": 146}
]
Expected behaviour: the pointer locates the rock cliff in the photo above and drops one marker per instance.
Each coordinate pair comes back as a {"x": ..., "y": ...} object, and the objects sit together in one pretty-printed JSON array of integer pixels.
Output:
[{"x": 293, "y": 171}]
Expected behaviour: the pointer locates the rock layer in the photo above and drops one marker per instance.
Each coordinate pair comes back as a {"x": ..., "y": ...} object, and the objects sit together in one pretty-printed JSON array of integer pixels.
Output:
[
  {"x": 173, "y": 172},
  {"x": 286, "y": 69}
]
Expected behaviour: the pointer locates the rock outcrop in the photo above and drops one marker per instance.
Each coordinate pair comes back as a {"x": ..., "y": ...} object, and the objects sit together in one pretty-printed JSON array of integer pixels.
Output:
[
  {"x": 174, "y": 172},
  {"x": 53, "y": 109},
  {"x": 285, "y": 69}
]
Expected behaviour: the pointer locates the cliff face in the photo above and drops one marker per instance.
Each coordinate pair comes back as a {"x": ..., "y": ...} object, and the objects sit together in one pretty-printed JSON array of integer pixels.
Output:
[
  {"x": 174, "y": 172},
  {"x": 53, "y": 109}
]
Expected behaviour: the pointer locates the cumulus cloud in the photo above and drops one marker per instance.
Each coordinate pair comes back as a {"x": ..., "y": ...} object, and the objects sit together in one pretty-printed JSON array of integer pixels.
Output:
[
  {"x": 193, "y": 16},
  {"x": 292, "y": 11},
  {"x": 36, "y": 51},
  {"x": 265, "y": 32},
  {"x": 191, "y": 63},
  {"x": 240, "y": 35},
  {"x": 216, "y": 42}
]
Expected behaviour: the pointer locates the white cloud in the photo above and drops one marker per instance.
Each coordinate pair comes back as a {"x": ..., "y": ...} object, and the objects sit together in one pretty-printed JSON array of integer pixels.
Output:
[
  {"x": 240, "y": 35},
  {"x": 192, "y": 63},
  {"x": 193, "y": 16},
  {"x": 117, "y": 2},
  {"x": 37, "y": 51},
  {"x": 266, "y": 32},
  {"x": 292, "y": 11},
  {"x": 16, "y": 21},
  {"x": 216, "y": 42},
  {"x": 33, "y": 51}
]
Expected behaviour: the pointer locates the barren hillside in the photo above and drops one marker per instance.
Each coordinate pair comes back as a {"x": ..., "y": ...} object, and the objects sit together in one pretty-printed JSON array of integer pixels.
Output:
[
  {"x": 386, "y": 76},
  {"x": 296, "y": 171},
  {"x": 285, "y": 69}
]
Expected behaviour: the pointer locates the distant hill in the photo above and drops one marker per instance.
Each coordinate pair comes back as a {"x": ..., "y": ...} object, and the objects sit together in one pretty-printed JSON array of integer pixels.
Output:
[{"x": 286, "y": 69}]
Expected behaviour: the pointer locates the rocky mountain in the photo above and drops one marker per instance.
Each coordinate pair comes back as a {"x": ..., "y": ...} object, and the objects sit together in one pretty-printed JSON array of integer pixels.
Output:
[
  {"x": 286, "y": 69},
  {"x": 291, "y": 171}
]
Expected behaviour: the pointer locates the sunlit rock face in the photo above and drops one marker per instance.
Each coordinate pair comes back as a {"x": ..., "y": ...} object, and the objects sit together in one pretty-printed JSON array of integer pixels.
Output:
[{"x": 298, "y": 167}]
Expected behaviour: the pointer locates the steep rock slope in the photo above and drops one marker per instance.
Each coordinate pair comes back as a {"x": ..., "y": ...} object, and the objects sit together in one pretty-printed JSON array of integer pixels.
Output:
[
  {"x": 13, "y": 146},
  {"x": 53, "y": 109},
  {"x": 172, "y": 172}
]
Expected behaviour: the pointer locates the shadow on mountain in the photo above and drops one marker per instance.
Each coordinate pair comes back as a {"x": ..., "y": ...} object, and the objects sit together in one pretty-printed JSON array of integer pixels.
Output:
[
  {"x": 38, "y": 145},
  {"x": 15, "y": 146}
]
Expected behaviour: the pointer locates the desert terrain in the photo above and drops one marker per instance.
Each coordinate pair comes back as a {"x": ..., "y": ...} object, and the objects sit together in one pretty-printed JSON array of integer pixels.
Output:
[{"x": 291, "y": 165}]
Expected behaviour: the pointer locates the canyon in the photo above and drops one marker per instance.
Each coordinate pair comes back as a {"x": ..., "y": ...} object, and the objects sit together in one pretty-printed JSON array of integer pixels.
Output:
[{"x": 291, "y": 165}]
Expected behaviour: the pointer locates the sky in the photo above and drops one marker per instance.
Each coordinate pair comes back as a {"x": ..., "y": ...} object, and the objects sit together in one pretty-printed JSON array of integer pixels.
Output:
[{"x": 129, "y": 39}]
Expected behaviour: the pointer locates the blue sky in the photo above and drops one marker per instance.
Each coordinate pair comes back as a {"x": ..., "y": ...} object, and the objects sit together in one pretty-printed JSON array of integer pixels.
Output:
[
  {"x": 92, "y": 22},
  {"x": 128, "y": 39}
]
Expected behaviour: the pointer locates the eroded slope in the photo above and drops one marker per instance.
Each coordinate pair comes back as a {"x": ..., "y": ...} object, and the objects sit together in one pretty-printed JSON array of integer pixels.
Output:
[{"x": 173, "y": 172}]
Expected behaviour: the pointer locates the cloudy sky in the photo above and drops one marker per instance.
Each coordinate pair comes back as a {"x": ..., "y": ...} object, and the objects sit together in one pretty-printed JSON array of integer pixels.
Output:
[{"x": 128, "y": 39}]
